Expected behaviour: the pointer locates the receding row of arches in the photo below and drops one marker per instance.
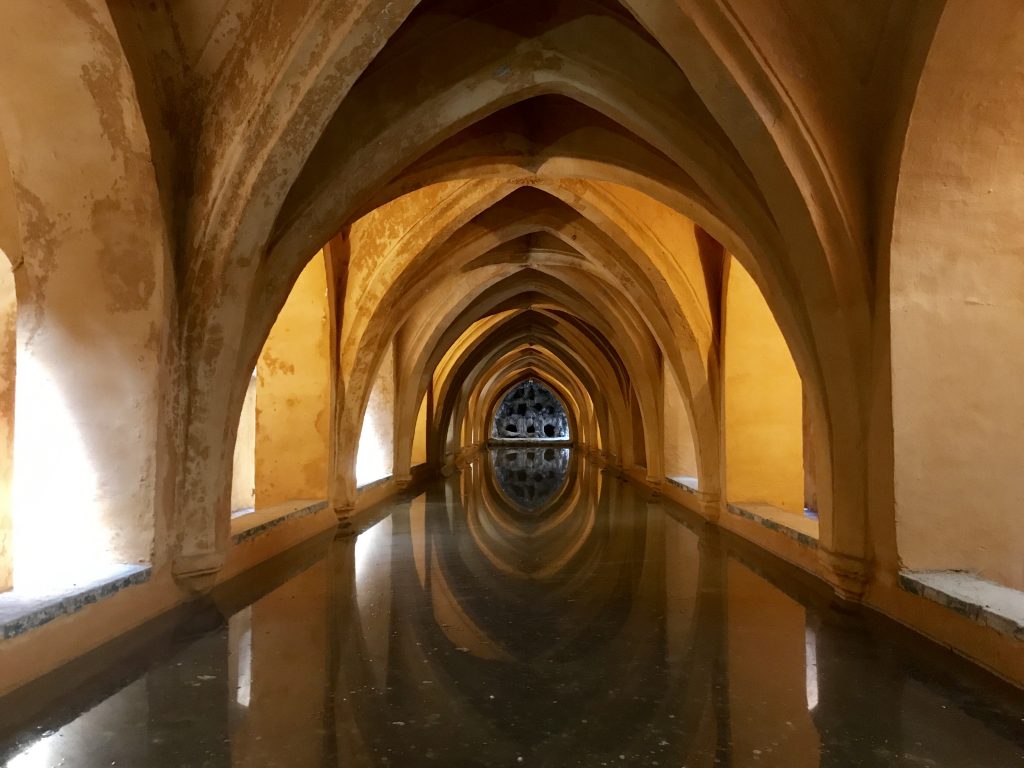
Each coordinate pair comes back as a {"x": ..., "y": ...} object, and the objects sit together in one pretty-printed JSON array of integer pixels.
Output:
[{"x": 302, "y": 254}]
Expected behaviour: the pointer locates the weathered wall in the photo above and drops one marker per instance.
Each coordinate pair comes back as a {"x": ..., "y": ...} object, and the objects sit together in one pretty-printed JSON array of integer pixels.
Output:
[
  {"x": 376, "y": 454},
  {"x": 763, "y": 402},
  {"x": 8, "y": 368},
  {"x": 243, "y": 472},
  {"x": 93, "y": 315},
  {"x": 10, "y": 253},
  {"x": 958, "y": 302},
  {"x": 680, "y": 454},
  {"x": 293, "y": 396}
]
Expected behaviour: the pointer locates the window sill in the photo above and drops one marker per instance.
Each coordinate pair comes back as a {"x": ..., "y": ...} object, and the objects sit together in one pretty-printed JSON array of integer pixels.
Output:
[
  {"x": 374, "y": 483},
  {"x": 991, "y": 605},
  {"x": 801, "y": 529},
  {"x": 23, "y": 610},
  {"x": 688, "y": 484},
  {"x": 256, "y": 523}
]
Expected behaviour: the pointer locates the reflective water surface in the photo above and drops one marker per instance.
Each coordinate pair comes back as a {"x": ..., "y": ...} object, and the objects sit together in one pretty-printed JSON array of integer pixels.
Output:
[
  {"x": 467, "y": 629},
  {"x": 531, "y": 477}
]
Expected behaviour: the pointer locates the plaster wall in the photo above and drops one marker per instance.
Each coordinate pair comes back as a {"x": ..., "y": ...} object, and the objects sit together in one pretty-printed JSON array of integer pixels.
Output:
[
  {"x": 375, "y": 458},
  {"x": 293, "y": 395},
  {"x": 958, "y": 303},
  {"x": 668, "y": 238},
  {"x": 419, "y": 442},
  {"x": 10, "y": 253},
  {"x": 8, "y": 353},
  {"x": 93, "y": 315},
  {"x": 243, "y": 472},
  {"x": 763, "y": 402},
  {"x": 680, "y": 455}
]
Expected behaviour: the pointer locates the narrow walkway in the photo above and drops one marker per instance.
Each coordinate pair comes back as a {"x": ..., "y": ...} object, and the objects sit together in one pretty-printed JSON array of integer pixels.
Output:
[{"x": 531, "y": 612}]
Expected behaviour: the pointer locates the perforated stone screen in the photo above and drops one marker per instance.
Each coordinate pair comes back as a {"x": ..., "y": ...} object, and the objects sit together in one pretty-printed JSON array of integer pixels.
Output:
[{"x": 531, "y": 411}]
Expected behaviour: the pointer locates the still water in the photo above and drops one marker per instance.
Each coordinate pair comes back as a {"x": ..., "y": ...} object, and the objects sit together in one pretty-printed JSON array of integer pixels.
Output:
[{"x": 531, "y": 611}]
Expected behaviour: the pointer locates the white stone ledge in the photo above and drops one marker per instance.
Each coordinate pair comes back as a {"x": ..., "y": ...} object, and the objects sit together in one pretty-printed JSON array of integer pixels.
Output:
[
  {"x": 24, "y": 609},
  {"x": 801, "y": 529},
  {"x": 688, "y": 484},
  {"x": 992, "y": 605},
  {"x": 374, "y": 483},
  {"x": 255, "y": 523}
]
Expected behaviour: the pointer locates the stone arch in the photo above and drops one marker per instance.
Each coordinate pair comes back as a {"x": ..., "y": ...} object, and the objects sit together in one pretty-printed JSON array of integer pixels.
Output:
[
  {"x": 402, "y": 285},
  {"x": 802, "y": 270},
  {"x": 591, "y": 378}
]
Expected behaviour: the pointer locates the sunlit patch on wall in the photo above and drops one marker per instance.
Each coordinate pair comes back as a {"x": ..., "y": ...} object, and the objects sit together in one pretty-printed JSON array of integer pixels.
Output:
[
  {"x": 376, "y": 453},
  {"x": 60, "y": 534}
]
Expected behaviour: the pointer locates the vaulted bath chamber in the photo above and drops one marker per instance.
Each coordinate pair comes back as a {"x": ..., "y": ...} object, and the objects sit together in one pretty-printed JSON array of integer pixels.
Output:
[{"x": 547, "y": 266}]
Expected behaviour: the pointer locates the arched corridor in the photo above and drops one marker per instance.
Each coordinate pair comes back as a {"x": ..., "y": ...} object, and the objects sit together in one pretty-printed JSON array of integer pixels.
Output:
[{"x": 279, "y": 269}]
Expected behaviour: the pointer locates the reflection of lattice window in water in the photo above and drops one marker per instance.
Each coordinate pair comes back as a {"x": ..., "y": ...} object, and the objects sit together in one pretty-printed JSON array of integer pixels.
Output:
[
  {"x": 531, "y": 411},
  {"x": 530, "y": 479}
]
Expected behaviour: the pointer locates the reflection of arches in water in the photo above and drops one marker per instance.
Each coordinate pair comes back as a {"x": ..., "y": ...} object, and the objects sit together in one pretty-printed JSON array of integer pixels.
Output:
[
  {"x": 530, "y": 477},
  {"x": 595, "y": 626},
  {"x": 530, "y": 411}
]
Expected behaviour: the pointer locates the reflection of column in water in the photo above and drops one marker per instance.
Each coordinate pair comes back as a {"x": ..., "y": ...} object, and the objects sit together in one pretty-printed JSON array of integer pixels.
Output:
[
  {"x": 811, "y": 666},
  {"x": 752, "y": 604},
  {"x": 192, "y": 687},
  {"x": 240, "y": 655},
  {"x": 857, "y": 706},
  {"x": 286, "y": 670}
]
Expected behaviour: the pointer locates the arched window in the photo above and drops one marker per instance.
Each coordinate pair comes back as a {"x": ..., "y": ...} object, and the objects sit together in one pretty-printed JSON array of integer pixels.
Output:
[{"x": 530, "y": 411}]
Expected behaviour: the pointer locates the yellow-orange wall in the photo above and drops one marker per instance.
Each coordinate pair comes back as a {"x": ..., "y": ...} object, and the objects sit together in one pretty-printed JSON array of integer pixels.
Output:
[
  {"x": 763, "y": 402},
  {"x": 957, "y": 305},
  {"x": 419, "y": 441},
  {"x": 680, "y": 455},
  {"x": 293, "y": 396}
]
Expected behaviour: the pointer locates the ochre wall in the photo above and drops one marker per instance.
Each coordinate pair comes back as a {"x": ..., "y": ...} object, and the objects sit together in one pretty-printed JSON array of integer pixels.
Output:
[
  {"x": 763, "y": 402},
  {"x": 8, "y": 353},
  {"x": 419, "y": 441},
  {"x": 680, "y": 456},
  {"x": 958, "y": 303},
  {"x": 293, "y": 396},
  {"x": 376, "y": 455},
  {"x": 10, "y": 252},
  {"x": 243, "y": 473},
  {"x": 95, "y": 314}
]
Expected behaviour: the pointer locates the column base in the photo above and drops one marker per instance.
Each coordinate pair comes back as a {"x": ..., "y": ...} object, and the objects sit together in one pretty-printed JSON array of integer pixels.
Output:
[
  {"x": 848, "y": 575},
  {"x": 197, "y": 572}
]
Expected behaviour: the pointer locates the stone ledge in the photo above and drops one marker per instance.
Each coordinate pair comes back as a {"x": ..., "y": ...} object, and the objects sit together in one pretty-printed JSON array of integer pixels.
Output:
[
  {"x": 374, "y": 483},
  {"x": 21, "y": 611},
  {"x": 991, "y": 605},
  {"x": 688, "y": 484},
  {"x": 800, "y": 529},
  {"x": 256, "y": 523}
]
